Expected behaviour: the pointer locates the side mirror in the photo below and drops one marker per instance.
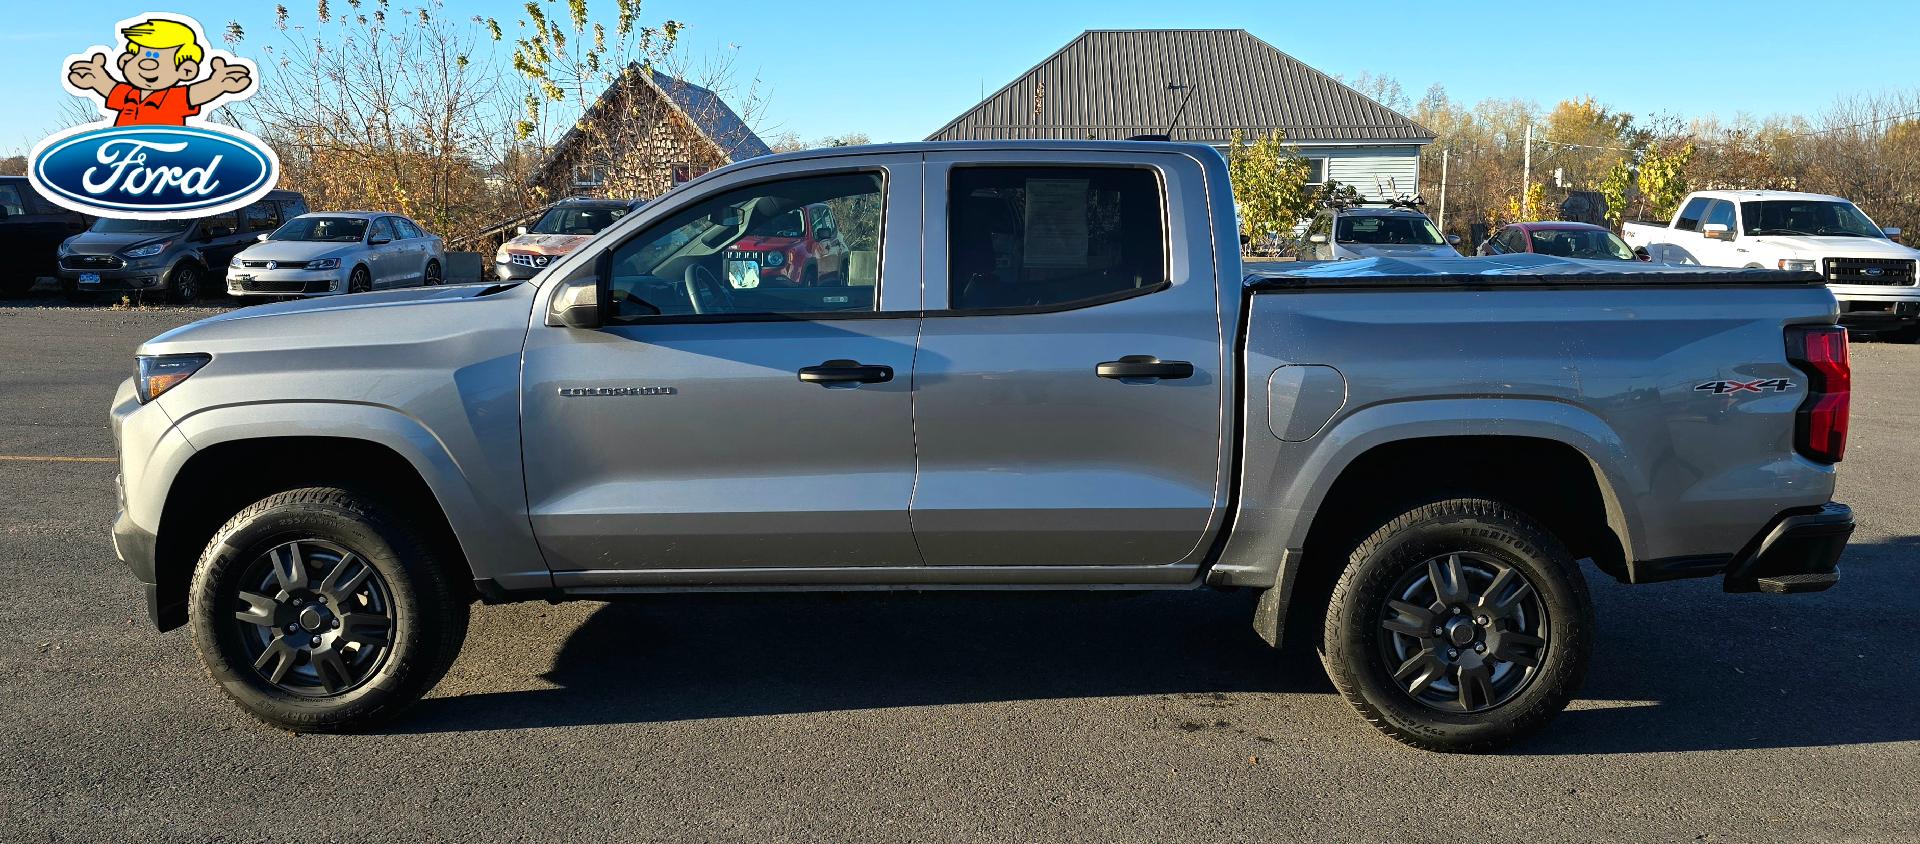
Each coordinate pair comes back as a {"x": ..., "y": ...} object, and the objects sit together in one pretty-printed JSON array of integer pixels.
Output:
[
  {"x": 825, "y": 234},
  {"x": 1453, "y": 239},
  {"x": 519, "y": 230},
  {"x": 263, "y": 237},
  {"x": 379, "y": 241},
  {"x": 1641, "y": 253},
  {"x": 1890, "y": 231},
  {"x": 1716, "y": 231},
  {"x": 1316, "y": 238},
  {"x": 576, "y": 304}
]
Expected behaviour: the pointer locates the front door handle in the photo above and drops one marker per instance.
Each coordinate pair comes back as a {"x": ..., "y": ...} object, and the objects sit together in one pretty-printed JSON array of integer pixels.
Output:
[
  {"x": 846, "y": 372},
  {"x": 1144, "y": 366}
]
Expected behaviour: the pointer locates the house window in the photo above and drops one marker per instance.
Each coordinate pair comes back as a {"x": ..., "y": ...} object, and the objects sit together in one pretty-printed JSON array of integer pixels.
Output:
[
  {"x": 589, "y": 175},
  {"x": 1316, "y": 171}
]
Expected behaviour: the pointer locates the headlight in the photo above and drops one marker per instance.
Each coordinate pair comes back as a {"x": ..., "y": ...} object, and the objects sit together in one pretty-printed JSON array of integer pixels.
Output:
[
  {"x": 775, "y": 259},
  {"x": 500, "y": 255},
  {"x": 235, "y": 262},
  {"x": 66, "y": 248},
  {"x": 146, "y": 251},
  {"x": 324, "y": 264},
  {"x": 1799, "y": 266},
  {"x": 157, "y": 374}
]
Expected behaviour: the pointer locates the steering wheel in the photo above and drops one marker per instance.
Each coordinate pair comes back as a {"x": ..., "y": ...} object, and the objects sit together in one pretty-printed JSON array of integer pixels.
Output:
[{"x": 705, "y": 291}]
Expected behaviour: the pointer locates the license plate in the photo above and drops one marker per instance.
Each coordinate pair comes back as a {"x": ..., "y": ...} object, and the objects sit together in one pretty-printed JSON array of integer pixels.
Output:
[
  {"x": 89, "y": 278},
  {"x": 743, "y": 275}
]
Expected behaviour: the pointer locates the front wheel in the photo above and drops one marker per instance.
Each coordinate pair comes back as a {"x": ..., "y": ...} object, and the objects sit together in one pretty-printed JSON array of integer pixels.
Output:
[
  {"x": 318, "y": 610},
  {"x": 431, "y": 276},
  {"x": 1459, "y": 626},
  {"x": 185, "y": 288},
  {"x": 359, "y": 281}
]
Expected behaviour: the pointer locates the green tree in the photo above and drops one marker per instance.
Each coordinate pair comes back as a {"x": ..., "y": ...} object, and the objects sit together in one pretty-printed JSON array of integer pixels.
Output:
[
  {"x": 1269, "y": 186},
  {"x": 1616, "y": 188},
  {"x": 1663, "y": 180}
]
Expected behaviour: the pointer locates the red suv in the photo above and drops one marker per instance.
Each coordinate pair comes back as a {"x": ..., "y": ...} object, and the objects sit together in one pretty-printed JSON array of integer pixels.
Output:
[
  {"x": 1561, "y": 239},
  {"x": 801, "y": 248}
]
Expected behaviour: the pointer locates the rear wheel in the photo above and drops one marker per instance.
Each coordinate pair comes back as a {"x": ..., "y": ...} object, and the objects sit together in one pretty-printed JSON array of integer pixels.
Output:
[
  {"x": 317, "y": 611},
  {"x": 184, "y": 287},
  {"x": 431, "y": 276},
  {"x": 1459, "y": 626}
]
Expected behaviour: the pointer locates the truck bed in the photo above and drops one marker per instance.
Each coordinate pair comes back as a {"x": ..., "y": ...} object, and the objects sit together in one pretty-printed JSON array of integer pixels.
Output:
[{"x": 1505, "y": 271}]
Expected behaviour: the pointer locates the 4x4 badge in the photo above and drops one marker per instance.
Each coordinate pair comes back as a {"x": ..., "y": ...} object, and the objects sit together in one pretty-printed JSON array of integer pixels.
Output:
[{"x": 1721, "y": 388}]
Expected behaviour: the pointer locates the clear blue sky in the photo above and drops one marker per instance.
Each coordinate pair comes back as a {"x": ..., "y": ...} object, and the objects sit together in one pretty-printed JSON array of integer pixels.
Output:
[{"x": 898, "y": 69}]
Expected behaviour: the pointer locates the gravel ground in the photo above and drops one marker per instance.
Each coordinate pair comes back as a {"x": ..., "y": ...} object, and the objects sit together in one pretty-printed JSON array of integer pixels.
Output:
[{"x": 1707, "y": 717}]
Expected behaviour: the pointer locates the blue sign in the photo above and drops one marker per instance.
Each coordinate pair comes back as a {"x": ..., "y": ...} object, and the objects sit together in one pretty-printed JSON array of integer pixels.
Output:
[{"x": 156, "y": 171}]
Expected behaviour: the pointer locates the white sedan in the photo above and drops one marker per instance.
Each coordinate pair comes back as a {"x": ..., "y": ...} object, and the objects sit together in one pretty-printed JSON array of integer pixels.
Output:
[{"x": 334, "y": 252}]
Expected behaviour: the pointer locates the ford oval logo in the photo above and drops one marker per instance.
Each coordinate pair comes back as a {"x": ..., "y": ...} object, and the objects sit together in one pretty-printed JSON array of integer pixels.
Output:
[
  {"x": 1874, "y": 271},
  {"x": 153, "y": 171}
]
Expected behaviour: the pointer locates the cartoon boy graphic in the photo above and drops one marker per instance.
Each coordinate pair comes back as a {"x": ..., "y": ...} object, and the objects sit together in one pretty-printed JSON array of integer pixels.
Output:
[{"x": 160, "y": 63}]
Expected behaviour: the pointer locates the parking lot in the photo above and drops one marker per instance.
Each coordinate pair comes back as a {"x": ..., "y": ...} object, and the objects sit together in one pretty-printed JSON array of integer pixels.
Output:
[{"x": 882, "y": 717}]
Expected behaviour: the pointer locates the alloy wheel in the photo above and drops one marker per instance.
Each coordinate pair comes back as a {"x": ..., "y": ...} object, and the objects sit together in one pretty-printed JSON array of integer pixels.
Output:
[
  {"x": 432, "y": 274},
  {"x": 314, "y": 618},
  {"x": 1465, "y": 632}
]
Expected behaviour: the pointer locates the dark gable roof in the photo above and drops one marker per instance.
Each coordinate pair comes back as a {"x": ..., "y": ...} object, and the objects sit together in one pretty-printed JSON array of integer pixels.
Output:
[
  {"x": 714, "y": 117},
  {"x": 1112, "y": 84},
  {"x": 709, "y": 113}
]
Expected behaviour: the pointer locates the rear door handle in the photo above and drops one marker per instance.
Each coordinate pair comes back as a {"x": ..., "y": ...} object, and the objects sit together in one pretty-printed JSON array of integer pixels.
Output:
[
  {"x": 846, "y": 372},
  {"x": 1144, "y": 366}
]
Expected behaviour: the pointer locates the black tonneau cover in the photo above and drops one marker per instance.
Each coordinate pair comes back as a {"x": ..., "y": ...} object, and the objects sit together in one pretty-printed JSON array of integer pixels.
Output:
[{"x": 1503, "y": 271}]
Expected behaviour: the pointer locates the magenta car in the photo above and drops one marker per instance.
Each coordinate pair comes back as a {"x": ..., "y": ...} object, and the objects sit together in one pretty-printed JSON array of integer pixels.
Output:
[{"x": 1564, "y": 240}]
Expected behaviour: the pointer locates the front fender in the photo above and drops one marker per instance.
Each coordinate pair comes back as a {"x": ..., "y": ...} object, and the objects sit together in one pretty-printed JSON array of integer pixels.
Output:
[{"x": 484, "y": 503}]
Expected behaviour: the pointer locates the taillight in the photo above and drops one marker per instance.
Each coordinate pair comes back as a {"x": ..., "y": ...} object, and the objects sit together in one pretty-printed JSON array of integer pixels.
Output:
[{"x": 1820, "y": 428}]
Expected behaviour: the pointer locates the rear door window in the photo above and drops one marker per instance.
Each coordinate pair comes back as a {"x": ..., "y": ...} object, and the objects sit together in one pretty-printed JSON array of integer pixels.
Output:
[
  {"x": 1689, "y": 219},
  {"x": 263, "y": 216},
  {"x": 1037, "y": 237}
]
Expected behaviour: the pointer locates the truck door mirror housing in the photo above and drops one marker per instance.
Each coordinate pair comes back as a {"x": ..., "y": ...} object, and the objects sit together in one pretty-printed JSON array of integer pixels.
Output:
[
  {"x": 1891, "y": 231},
  {"x": 1716, "y": 231},
  {"x": 576, "y": 304},
  {"x": 1453, "y": 239},
  {"x": 1641, "y": 253},
  {"x": 1316, "y": 238}
]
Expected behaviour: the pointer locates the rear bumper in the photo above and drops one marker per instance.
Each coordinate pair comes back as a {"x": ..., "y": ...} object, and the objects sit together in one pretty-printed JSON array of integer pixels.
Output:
[{"x": 1798, "y": 551}]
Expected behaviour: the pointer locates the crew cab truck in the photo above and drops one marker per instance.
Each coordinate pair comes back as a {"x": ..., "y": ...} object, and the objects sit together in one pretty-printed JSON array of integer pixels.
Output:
[
  {"x": 1871, "y": 275},
  {"x": 1062, "y": 378}
]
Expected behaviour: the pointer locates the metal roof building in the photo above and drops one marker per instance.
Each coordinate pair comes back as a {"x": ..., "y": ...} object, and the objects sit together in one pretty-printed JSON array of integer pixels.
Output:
[{"x": 1114, "y": 84}]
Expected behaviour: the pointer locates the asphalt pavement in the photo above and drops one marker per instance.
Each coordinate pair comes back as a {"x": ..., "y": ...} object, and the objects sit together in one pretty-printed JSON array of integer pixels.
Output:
[{"x": 902, "y": 717}]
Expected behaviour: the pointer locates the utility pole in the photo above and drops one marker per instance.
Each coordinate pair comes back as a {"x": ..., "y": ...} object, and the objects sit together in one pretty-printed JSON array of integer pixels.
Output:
[
  {"x": 1526, "y": 170},
  {"x": 1445, "y": 154}
]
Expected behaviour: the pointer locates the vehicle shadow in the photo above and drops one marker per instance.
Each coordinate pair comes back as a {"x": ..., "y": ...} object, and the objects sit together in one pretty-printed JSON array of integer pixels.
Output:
[{"x": 1678, "y": 667}]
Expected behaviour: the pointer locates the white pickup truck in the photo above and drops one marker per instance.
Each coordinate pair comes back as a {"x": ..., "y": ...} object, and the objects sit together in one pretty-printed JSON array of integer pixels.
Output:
[{"x": 1872, "y": 276}]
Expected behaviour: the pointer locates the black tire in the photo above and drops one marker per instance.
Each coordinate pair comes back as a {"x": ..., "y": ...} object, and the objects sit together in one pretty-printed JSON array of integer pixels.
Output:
[
  {"x": 183, "y": 286},
  {"x": 360, "y": 281},
  {"x": 1364, "y": 632},
  {"x": 381, "y": 669},
  {"x": 431, "y": 276}
]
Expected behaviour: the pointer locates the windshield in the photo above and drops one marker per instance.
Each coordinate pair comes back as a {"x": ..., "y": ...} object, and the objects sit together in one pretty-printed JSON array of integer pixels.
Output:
[
  {"x": 329, "y": 229},
  {"x": 109, "y": 225},
  {"x": 1397, "y": 228},
  {"x": 576, "y": 220},
  {"x": 1806, "y": 217},
  {"x": 1580, "y": 243},
  {"x": 782, "y": 225}
]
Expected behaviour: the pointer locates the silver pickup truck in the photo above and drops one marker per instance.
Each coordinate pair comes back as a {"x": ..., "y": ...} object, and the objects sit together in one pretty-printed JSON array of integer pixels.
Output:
[{"x": 1056, "y": 375}]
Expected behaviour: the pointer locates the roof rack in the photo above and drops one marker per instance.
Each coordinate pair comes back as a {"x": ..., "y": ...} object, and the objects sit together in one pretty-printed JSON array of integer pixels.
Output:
[{"x": 1410, "y": 202}]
